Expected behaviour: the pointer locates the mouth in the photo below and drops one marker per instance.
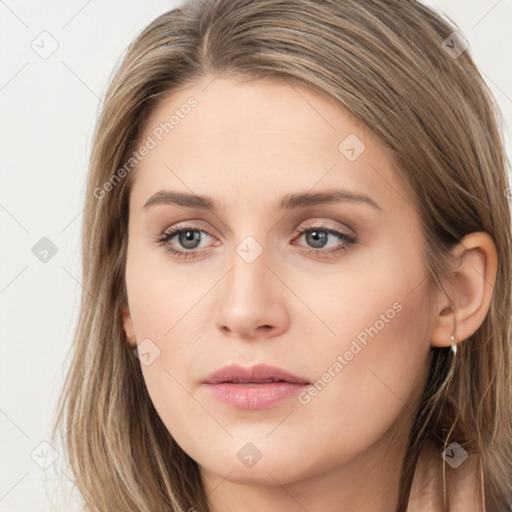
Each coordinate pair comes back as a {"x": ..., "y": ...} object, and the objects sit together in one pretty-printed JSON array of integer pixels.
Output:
[{"x": 258, "y": 387}]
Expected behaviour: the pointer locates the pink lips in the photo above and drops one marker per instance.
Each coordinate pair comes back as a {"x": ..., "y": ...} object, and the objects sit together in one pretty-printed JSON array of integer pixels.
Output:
[{"x": 257, "y": 387}]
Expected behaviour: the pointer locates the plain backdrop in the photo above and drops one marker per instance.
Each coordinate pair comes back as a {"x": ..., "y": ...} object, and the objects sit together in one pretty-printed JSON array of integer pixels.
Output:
[{"x": 49, "y": 105}]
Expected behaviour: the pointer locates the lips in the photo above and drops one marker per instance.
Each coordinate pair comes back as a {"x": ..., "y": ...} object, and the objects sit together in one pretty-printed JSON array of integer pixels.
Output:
[
  {"x": 258, "y": 374},
  {"x": 259, "y": 387}
]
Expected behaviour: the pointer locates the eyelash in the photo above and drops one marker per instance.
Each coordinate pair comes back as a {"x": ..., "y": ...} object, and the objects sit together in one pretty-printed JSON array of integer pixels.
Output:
[{"x": 165, "y": 237}]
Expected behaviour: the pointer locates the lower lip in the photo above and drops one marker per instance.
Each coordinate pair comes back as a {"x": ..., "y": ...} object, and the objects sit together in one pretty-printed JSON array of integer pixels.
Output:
[{"x": 255, "y": 396}]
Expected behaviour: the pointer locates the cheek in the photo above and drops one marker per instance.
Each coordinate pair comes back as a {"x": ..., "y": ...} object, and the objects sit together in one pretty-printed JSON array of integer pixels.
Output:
[
  {"x": 167, "y": 310},
  {"x": 374, "y": 367},
  {"x": 376, "y": 381},
  {"x": 164, "y": 295}
]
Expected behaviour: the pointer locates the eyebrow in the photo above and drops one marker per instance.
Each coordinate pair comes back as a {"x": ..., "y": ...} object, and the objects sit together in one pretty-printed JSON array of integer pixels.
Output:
[{"x": 288, "y": 202}]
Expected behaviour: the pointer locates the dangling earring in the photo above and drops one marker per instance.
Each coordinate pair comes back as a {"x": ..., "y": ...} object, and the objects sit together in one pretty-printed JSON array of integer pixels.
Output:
[
  {"x": 452, "y": 337},
  {"x": 454, "y": 345}
]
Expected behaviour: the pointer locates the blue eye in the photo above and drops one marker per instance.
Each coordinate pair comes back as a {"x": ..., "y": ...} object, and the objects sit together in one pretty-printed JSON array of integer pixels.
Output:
[
  {"x": 318, "y": 239},
  {"x": 189, "y": 239}
]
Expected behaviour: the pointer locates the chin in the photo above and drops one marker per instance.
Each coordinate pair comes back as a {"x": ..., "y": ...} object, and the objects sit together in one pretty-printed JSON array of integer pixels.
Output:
[{"x": 269, "y": 469}]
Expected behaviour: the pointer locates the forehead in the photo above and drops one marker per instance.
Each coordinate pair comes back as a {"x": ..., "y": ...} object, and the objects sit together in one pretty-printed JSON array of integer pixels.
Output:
[{"x": 233, "y": 138}]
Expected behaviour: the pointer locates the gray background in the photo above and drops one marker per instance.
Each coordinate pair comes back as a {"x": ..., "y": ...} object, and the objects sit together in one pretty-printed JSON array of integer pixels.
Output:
[{"x": 48, "y": 108}]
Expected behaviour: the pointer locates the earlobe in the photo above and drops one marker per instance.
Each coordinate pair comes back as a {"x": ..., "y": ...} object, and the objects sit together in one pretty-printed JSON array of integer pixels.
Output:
[
  {"x": 128, "y": 326},
  {"x": 469, "y": 288}
]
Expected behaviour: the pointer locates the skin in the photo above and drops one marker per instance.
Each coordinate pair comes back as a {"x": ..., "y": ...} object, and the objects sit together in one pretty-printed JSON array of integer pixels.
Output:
[{"x": 246, "y": 145}]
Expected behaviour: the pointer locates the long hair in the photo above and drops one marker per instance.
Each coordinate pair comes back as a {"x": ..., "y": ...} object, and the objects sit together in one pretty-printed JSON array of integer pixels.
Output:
[{"x": 384, "y": 61}]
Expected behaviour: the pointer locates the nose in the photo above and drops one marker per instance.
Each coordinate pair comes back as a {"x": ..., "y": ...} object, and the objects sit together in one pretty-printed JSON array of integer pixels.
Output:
[{"x": 251, "y": 300}]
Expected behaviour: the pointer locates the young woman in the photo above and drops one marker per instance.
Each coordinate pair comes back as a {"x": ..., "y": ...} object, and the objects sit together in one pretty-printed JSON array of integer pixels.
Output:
[{"x": 296, "y": 268}]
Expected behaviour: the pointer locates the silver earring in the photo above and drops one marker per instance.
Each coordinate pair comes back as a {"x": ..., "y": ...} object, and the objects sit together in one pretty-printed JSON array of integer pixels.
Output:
[{"x": 454, "y": 346}]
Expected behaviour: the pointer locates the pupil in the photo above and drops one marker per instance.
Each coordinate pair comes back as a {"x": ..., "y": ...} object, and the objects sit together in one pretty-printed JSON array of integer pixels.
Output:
[
  {"x": 317, "y": 238},
  {"x": 189, "y": 239}
]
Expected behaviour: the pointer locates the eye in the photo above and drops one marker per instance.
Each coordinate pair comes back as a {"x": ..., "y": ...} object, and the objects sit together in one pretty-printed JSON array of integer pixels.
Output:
[
  {"x": 188, "y": 238},
  {"x": 317, "y": 237}
]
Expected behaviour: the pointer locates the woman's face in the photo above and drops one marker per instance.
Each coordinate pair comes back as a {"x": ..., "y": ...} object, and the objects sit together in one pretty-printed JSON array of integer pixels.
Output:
[{"x": 267, "y": 271}]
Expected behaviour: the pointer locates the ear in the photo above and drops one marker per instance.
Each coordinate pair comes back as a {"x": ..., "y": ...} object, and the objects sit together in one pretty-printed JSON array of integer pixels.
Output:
[
  {"x": 128, "y": 326},
  {"x": 469, "y": 286}
]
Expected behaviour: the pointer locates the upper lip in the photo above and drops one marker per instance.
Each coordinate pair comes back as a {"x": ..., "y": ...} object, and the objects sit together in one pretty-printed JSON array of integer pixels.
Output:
[{"x": 258, "y": 373}]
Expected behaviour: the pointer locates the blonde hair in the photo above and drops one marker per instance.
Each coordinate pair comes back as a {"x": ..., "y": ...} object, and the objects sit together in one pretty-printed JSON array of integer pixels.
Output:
[{"x": 382, "y": 60}]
